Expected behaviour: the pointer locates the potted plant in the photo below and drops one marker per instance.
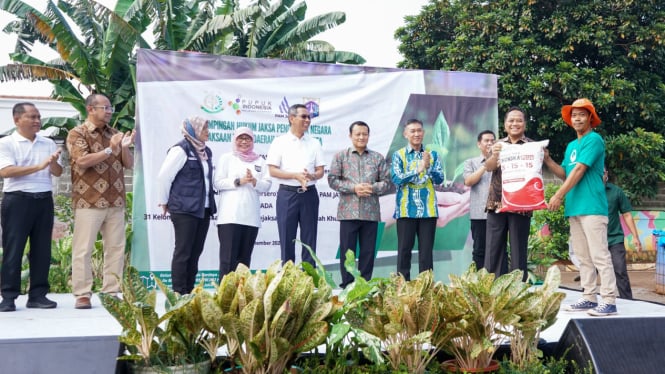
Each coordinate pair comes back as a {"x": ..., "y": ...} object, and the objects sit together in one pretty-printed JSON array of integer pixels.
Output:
[
  {"x": 157, "y": 343},
  {"x": 410, "y": 318},
  {"x": 537, "y": 311},
  {"x": 346, "y": 341},
  {"x": 268, "y": 318},
  {"x": 488, "y": 308}
]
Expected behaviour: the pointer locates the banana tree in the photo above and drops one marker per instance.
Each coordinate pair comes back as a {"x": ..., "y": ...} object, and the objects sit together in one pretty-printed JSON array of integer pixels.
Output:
[
  {"x": 95, "y": 47},
  {"x": 278, "y": 29}
]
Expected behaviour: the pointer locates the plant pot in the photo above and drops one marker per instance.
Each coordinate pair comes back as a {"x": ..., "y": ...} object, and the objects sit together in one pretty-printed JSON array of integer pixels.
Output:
[
  {"x": 197, "y": 368},
  {"x": 450, "y": 366}
]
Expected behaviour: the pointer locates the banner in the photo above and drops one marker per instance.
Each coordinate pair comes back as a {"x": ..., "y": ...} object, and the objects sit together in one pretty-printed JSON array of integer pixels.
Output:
[{"x": 232, "y": 92}]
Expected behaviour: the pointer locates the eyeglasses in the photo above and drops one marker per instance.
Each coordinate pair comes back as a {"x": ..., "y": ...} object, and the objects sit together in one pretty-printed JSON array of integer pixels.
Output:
[
  {"x": 108, "y": 109},
  {"x": 304, "y": 116},
  {"x": 243, "y": 139}
]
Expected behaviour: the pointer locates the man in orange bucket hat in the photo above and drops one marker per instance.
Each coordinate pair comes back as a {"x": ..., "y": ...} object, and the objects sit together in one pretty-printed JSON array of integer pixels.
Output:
[{"x": 586, "y": 207}]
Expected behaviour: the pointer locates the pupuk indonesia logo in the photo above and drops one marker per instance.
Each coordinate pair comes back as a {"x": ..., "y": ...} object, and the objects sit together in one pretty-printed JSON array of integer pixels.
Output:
[{"x": 235, "y": 105}]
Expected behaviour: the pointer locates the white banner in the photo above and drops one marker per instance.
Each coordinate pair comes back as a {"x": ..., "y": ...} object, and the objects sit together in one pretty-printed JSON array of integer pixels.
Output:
[{"x": 232, "y": 92}]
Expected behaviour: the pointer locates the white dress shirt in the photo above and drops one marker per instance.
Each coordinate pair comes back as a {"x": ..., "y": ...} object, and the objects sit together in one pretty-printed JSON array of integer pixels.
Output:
[{"x": 293, "y": 154}]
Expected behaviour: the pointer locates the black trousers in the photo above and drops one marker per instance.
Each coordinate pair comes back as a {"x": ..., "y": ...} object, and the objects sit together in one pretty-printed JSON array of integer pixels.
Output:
[
  {"x": 295, "y": 209},
  {"x": 618, "y": 253},
  {"x": 478, "y": 229},
  {"x": 26, "y": 217},
  {"x": 407, "y": 230},
  {"x": 363, "y": 233},
  {"x": 500, "y": 228},
  {"x": 236, "y": 243},
  {"x": 190, "y": 236}
]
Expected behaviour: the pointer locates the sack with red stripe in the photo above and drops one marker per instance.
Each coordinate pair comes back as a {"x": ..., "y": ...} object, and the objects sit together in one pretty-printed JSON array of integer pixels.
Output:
[{"x": 521, "y": 177}]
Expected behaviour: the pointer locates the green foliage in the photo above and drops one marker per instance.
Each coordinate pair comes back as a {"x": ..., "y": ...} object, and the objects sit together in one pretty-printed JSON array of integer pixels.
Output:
[
  {"x": 345, "y": 341},
  {"x": 548, "y": 53},
  {"x": 537, "y": 311},
  {"x": 550, "y": 365},
  {"x": 544, "y": 250},
  {"x": 60, "y": 272},
  {"x": 636, "y": 161},
  {"x": 491, "y": 308},
  {"x": 411, "y": 318},
  {"x": 269, "y": 317},
  {"x": 153, "y": 339}
]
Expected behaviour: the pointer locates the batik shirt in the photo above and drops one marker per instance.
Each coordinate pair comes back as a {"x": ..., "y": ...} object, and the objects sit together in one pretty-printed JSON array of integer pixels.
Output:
[
  {"x": 416, "y": 197},
  {"x": 101, "y": 185},
  {"x": 349, "y": 168}
]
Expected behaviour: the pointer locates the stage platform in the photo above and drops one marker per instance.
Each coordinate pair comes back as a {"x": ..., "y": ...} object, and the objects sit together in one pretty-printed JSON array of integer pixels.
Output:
[{"x": 68, "y": 340}]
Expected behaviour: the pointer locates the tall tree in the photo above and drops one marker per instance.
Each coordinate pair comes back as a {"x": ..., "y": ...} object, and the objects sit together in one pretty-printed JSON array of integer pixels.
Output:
[
  {"x": 97, "y": 45},
  {"x": 548, "y": 53}
]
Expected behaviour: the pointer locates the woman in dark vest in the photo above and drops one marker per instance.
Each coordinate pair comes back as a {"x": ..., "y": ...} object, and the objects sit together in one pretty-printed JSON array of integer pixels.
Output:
[{"x": 186, "y": 192}]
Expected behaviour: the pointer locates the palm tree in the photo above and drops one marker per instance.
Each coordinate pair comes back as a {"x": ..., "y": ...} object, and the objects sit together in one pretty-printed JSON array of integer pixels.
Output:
[{"x": 101, "y": 55}]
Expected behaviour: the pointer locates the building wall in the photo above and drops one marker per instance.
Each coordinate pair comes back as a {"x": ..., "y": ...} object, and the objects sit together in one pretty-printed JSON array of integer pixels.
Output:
[{"x": 47, "y": 108}]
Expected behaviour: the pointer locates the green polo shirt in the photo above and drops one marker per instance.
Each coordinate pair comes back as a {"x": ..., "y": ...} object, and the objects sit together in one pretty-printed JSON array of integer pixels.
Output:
[
  {"x": 586, "y": 197},
  {"x": 617, "y": 204}
]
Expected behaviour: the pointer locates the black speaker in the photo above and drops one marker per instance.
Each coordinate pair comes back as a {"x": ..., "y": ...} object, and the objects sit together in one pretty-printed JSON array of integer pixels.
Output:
[{"x": 615, "y": 345}]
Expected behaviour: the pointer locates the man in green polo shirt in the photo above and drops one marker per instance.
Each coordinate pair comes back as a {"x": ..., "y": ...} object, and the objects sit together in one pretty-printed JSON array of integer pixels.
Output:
[
  {"x": 618, "y": 204},
  {"x": 586, "y": 207}
]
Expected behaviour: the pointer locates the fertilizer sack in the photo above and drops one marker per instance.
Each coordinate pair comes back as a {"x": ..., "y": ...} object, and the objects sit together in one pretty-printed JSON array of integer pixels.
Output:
[{"x": 522, "y": 179}]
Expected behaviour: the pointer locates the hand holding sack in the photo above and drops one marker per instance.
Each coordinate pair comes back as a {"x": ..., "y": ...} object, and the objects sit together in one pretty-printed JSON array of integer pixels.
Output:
[{"x": 522, "y": 179}]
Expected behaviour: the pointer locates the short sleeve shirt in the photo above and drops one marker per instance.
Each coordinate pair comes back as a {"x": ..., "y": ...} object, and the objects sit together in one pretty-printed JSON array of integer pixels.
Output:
[
  {"x": 587, "y": 197},
  {"x": 15, "y": 150},
  {"x": 101, "y": 185},
  {"x": 480, "y": 190},
  {"x": 293, "y": 154},
  {"x": 617, "y": 204}
]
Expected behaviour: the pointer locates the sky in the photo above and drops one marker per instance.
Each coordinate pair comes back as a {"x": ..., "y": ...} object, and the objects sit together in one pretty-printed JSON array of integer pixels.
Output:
[{"x": 369, "y": 29}]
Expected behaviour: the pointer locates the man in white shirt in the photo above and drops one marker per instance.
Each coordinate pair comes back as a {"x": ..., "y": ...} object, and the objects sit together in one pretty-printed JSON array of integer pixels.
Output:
[
  {"x": 295, "y": 161},
  {"x": 478, "y": 178},
  {"x": 27, "y": 161}
]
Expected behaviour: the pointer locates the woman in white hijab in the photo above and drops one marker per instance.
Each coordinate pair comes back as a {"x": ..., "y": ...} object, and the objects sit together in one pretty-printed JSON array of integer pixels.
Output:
[{"x": 240, "y": 175}]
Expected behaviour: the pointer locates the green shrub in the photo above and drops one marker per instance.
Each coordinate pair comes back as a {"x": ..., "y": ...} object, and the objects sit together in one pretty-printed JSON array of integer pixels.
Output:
[
  {"x": 545, "y": 250},
  {"x": 637, "y": 161}
]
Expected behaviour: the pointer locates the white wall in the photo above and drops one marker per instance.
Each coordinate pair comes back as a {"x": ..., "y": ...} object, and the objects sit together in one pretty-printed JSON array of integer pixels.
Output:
[{"x": 47, "y": 108}]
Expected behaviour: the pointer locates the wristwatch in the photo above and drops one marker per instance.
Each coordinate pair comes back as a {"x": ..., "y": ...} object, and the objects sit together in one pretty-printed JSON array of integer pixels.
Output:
[
  {"x": 236, "y": 182},
  {"x": 108, "y": 151}
]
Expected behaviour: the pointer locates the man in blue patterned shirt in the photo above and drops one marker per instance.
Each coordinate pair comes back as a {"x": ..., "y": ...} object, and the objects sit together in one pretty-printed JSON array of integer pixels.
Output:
[
  {"x": 360, "y": 176},
  {"x": 414, "y": 172}
]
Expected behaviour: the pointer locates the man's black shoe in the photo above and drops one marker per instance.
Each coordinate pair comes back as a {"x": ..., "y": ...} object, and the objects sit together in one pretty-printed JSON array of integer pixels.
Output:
[
  {"x": 41, "y": 303},
  {"x": 7, "y": 305}
]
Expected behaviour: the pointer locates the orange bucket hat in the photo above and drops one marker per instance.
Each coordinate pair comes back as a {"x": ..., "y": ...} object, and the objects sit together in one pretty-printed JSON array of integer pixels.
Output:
[{"x": 580, "y": 103}]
